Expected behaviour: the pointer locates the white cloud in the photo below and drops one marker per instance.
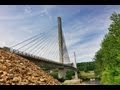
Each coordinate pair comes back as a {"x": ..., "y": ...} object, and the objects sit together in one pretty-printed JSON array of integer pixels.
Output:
[
  {"x": 87, "y": 50},
  {"x": 2, "y": 44},
  {"x": 46, "y": 13},
  {"x": 28, "y": 12},
  {"x": 5, "y": 37}
]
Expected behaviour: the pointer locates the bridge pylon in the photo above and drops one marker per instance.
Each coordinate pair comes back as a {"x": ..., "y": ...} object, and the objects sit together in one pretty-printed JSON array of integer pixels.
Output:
[
  {"x": 76, "y": 75},
  {"x": 61, "y": 71}
]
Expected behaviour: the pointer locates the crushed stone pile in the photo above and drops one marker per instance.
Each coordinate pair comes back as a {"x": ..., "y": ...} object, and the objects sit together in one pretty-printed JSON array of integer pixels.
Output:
[{"x": 15, "y": 70}]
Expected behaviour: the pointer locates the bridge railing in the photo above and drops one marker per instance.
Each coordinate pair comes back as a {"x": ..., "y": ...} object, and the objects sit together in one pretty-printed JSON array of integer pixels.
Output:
[
  {"x": 26, "y": 54},
  {"x": 37, "y": 57}
]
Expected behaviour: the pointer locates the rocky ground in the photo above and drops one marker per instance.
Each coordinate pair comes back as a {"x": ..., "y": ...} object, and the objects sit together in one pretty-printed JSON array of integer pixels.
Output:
[
  {"x": 72, "y": 82},
  {"x": 15, "y": 70}
]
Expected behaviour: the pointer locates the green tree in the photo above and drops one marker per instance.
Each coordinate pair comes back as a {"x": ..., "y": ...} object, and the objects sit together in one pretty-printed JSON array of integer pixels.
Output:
[
  {"x": 107, "y": 59},
  {"x": 86, "y": 66},
  {"x": 69, "y": 74}
]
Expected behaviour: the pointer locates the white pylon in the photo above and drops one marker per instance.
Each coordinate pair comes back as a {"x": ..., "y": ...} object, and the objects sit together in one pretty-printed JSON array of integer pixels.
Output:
[{"x": 76, "y": 75}]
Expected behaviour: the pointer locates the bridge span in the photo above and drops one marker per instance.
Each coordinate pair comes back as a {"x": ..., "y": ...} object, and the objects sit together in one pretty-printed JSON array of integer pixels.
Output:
[{"x": 40, "y": 61}]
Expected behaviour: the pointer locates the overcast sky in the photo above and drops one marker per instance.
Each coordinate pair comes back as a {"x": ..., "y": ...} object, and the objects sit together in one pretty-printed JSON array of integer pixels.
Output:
[{"x": 84, "y": 26}]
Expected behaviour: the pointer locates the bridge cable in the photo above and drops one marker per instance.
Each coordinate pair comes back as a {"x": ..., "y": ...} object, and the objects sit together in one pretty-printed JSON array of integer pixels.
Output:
[
  {"x": 42, "y": 48},
  {"x": 65, "y": 49},
  {"x": 26, "y": 40},
  {"x": 49, "y": 44},
  {"x": 40, "y": 45},
  {"x": 34, "y": 44},
  {"x": 53, "y": 43}
]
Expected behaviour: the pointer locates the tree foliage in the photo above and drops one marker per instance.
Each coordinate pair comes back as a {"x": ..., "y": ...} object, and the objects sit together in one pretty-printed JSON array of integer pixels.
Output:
[
  {"x": 107, "y": 59},
  {"x": 69, "y": 74},
  {"x": 86, "y": 66}
]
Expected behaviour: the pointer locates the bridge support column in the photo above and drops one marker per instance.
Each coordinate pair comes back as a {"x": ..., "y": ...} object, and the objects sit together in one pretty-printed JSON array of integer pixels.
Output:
[
  {"x": 61, "y": 73},
  {"x": 76, "y": 75}
]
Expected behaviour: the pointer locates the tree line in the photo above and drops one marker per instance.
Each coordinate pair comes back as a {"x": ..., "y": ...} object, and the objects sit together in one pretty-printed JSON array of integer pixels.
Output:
[
  {"x": 86, "y": 66},
  {"x": 107, "y": 59}
]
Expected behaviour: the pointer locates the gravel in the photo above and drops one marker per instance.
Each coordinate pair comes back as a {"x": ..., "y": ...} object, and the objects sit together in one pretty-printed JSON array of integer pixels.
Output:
[{"x": 15, "y": 70}]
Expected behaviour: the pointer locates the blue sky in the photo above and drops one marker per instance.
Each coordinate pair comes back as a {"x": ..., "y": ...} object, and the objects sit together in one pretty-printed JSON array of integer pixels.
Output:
[{"x": 84, "y": 26}]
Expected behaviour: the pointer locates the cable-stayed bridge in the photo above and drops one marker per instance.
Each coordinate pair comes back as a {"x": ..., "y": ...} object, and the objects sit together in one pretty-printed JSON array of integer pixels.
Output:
[{"x": 46, "y": 49}]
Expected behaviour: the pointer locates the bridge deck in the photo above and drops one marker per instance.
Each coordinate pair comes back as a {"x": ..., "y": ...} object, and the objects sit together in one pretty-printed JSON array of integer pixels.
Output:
[{"x": 41, "y": 61}]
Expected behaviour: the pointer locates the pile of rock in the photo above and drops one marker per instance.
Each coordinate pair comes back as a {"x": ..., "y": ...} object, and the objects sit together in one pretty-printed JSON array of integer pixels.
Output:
[{"x": 15, "y": 70}]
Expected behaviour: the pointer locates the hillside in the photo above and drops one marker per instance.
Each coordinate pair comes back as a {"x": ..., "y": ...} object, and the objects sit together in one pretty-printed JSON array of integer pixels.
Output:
[{"x": 15, "y": 70}]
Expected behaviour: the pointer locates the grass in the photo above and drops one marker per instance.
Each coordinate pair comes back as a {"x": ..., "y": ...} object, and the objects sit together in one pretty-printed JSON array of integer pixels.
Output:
[{"x": 86, "y": 75}]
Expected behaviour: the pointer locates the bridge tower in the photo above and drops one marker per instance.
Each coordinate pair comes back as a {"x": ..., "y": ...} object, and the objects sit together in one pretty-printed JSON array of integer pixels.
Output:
[
  {"x": 60, "y": 40},
  {"x": 76, "y": 75},
  {"x": 61, "y": 71}
]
